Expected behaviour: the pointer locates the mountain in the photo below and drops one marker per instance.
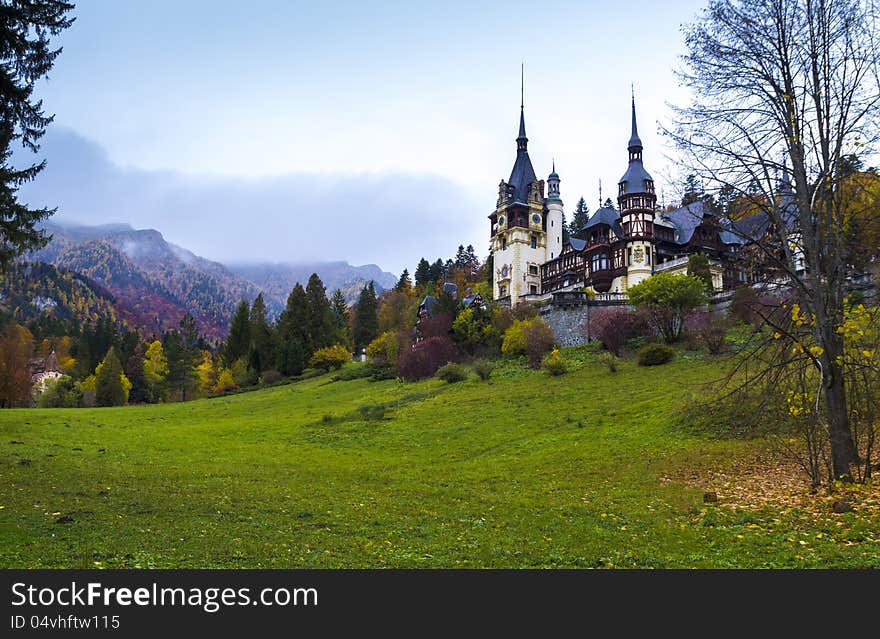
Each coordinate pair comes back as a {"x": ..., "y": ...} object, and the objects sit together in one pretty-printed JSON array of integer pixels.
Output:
[
  {"x": 277, "y": 280},
  {"x": 56, "y": 300},
  {"x": 155, "y": 282}
]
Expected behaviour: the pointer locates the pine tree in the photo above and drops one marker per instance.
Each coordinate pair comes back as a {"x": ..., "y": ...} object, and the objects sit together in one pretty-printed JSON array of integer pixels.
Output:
[
  {"x": 238, "y": 343},
  {"x": 134, "y": 370},
  {"x": 423, "y": 272},
  {"x": 174, "y": 353},
  {"x": 404, "y": 284},
  {"x": 366, "y": 320},
  {"x": 321, "y": 322},
  {"x": 437, "y": 271},
  {"x": 608, "y": 204},
  {"x": 340, "y": 315},
  {"x": 109, "y": 386},
  {"x": 565, "y": 231},
  {"x": 262, "y": 350},
  {"x": 190, "y": 355},
  {"x": 293, "y": 346},
  {"x": 25, "y": 57},
  {"x": 580, "y": 219}
]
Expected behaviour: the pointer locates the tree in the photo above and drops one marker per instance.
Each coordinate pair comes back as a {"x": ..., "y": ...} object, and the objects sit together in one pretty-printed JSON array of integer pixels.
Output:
[
  {"x": 293, "y": 340},
  {"x": 25, "y": 57},
  {"x": 698, "y": 266},
  {"x": 580, "y": 219},
  {"x": 111, "y": 384},
  {"x": 321, "y": 321},
  {"x": 190, "y": 355},
  {"x": 155, "y": 368},
  {"x": 404, "y": 284},
  {"x": 423, "y": 273},
  {"x": 134, "y": 371},
  {"x": 366, "y": 321},
  {"x": 789, "y": 87},
  {"x": 340, "y": 314},
  {"x": 262, "y": 349},
  {"x": 238, "y": 342},
  {"x": 437, "y": 271},
  {"x": 693, "y": 191},
  {"x": 16, "y": 346},
  {"x": 608, "y": 204},
  {"x": 667, "y": 299}
]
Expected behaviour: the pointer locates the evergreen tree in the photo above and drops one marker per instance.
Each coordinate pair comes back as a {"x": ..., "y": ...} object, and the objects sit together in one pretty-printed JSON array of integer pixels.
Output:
[
  {"x": 565, "y": 231},
  {"x": 109, "y": 385},
  {"x": 404, "y": 284},
  {"x": 238, "y": 343},
  {"x": 693, "y": 191},
  {"x": 340, "y": 315},
  {"x": 262, "y": 349},
  {"x": 580, "y": 219},
  {"x": 134, "y": 370},
  {"x": 423, "y": 272},
  {"x": 490, "y": 269},
  {"x": 172, "y": 344},
  {"x": 366, "y": 320},
  {"x": 698, "y": 266},
  {"x": 437, "y": 271},
  {"x": 25, "y": 57},
  {"x": 190, "y": 357},
  {"x": 321, "y": 321},
  {"x": 609, "y": 203},
  {"x": 293, "y": 345}
]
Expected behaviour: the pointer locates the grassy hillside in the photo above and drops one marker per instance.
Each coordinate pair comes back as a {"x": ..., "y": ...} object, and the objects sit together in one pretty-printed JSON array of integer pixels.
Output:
[{"x": 526, "y": 470}]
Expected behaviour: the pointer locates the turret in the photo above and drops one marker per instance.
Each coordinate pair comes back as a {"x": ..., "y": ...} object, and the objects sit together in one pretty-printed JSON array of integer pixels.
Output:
[{"x": 554, "y": 215}]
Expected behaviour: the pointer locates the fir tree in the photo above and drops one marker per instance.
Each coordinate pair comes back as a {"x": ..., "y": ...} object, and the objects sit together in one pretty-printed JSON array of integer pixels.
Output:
[
  {"x": 109, "y": 386},
  {"x": 190, "y": 356},
  {"x": 423, "y": 272},
  {"x": 580, "y": 219},
  {"x": 404, "y": 284},
  {"x": 437, "y": 271},
  {"x": 25, "y": 57},
  {"x": 340, "y": 314},
  {"x": 262, "y": 349},
  {"x": 321, "y": 322},
  {"x": 608, "y": 204},
  {"x": 293, "y": 346},
  {"x": 238, "y": 343},
  {"x": 366, "y": 321}
]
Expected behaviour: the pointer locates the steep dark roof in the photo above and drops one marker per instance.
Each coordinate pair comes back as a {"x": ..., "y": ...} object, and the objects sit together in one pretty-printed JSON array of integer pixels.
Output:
[
  {"x": 608, "y": 216},
  {"x": 634, "y": 178},
  {"x": 522, "y": 173},
  {"x": 686, "y": 220},
  {"x": 576, "y": 244},
  {"x": 451, "y": 288},
  {"x": 634, "y": 140},
  {"x": 428, "y": 304}
]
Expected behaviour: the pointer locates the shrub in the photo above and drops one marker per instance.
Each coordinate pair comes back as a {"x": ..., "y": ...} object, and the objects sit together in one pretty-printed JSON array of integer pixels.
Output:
[
  {"x": 355, "y": 370},
  {"x": 612, "y": 327},
  {"x": 473, "y": 330},
  {"x": 610, "y": 360},
  {"x": 60, "y": 393},
  {"x": 667, "y": 299},
  {"x": 330, "y": 357},
  {"x": 270, "y": 377},
  {"x": 225, "y": 382},
  {"x": 483, "y": 369},
  {"x": 655, "y": 354},
  {"x": 708, "y": 329},
  {"x": 539, "y": 340},
  {"x": 743, "y": 303},
  {"x": 372, "y": 413},
  {"x": 424, "y": 358},
  {"x": 452, "y": 373},
  {"x": 384, "y": 349},
  {"x": 522, "y": 334},
  {"x": 311, "y": 372},
  {"x": 554, "y": 364},
  {"x": 438, "y": 326}
]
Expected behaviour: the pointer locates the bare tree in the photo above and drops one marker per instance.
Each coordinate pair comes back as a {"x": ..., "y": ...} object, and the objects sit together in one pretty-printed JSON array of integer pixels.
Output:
[{"x": 788, "y": 86}]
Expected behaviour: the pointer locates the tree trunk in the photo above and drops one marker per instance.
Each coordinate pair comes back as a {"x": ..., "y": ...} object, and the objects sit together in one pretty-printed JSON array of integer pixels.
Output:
[{"x": 843, "y": 449}]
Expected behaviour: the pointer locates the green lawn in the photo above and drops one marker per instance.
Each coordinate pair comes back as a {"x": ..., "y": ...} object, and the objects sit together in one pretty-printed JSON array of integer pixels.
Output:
[{"x": 524, "y": 471}]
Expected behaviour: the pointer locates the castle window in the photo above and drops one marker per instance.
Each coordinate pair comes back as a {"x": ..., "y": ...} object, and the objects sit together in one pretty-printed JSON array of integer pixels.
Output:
[
  {"x": 648, "y": 255},
  {"x": 629, "y": 257},
  {"x": 533, "y": 290},
  {"x": 503, "y": 291},
  {"x": 504, "y": 244},
  {"x": 534, "y": 241},
  {"x": 533, "y": 270}
]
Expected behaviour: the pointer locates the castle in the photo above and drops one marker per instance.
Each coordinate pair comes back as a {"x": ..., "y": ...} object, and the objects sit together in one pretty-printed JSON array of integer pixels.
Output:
[{"x": 616, "y": 248}]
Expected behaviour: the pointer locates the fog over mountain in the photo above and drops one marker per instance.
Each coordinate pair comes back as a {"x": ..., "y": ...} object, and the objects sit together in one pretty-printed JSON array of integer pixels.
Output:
[{"x": 392, "y": 218}]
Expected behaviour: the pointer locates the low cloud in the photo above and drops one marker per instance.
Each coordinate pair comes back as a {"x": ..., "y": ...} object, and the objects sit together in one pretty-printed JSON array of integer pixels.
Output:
[{"x": 390, "y": 219}]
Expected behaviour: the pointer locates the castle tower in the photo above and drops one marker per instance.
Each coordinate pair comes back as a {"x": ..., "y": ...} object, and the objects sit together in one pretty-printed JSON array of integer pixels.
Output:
[
  {"x": 637, "y": 201},
  {"x": 554, "y": 216},
  {"x": 519, "y": 227}
]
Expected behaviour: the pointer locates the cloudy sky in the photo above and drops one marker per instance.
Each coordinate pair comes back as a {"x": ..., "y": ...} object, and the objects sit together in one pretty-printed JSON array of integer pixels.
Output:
[{"x": 373, "y": 132}]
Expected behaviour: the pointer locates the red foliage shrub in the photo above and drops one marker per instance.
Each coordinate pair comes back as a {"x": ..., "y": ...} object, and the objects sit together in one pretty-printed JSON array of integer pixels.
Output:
[
  {"x": 613, "y": 327},
  {"x": 708, "y": 329},
  {"x": 539, "y": 341},
  {"x": 438, "y": 326},
  {"x": 425, "y": 358}
]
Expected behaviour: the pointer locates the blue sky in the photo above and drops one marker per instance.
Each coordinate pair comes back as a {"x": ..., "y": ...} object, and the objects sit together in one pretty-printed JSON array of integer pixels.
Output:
[{"x": 375, "y": 132}]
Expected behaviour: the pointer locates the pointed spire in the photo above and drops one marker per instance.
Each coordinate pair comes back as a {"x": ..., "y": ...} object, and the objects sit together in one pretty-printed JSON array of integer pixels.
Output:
[
  {"x": 522, "y": 107},
  {"x": 634, "y": 140}
]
